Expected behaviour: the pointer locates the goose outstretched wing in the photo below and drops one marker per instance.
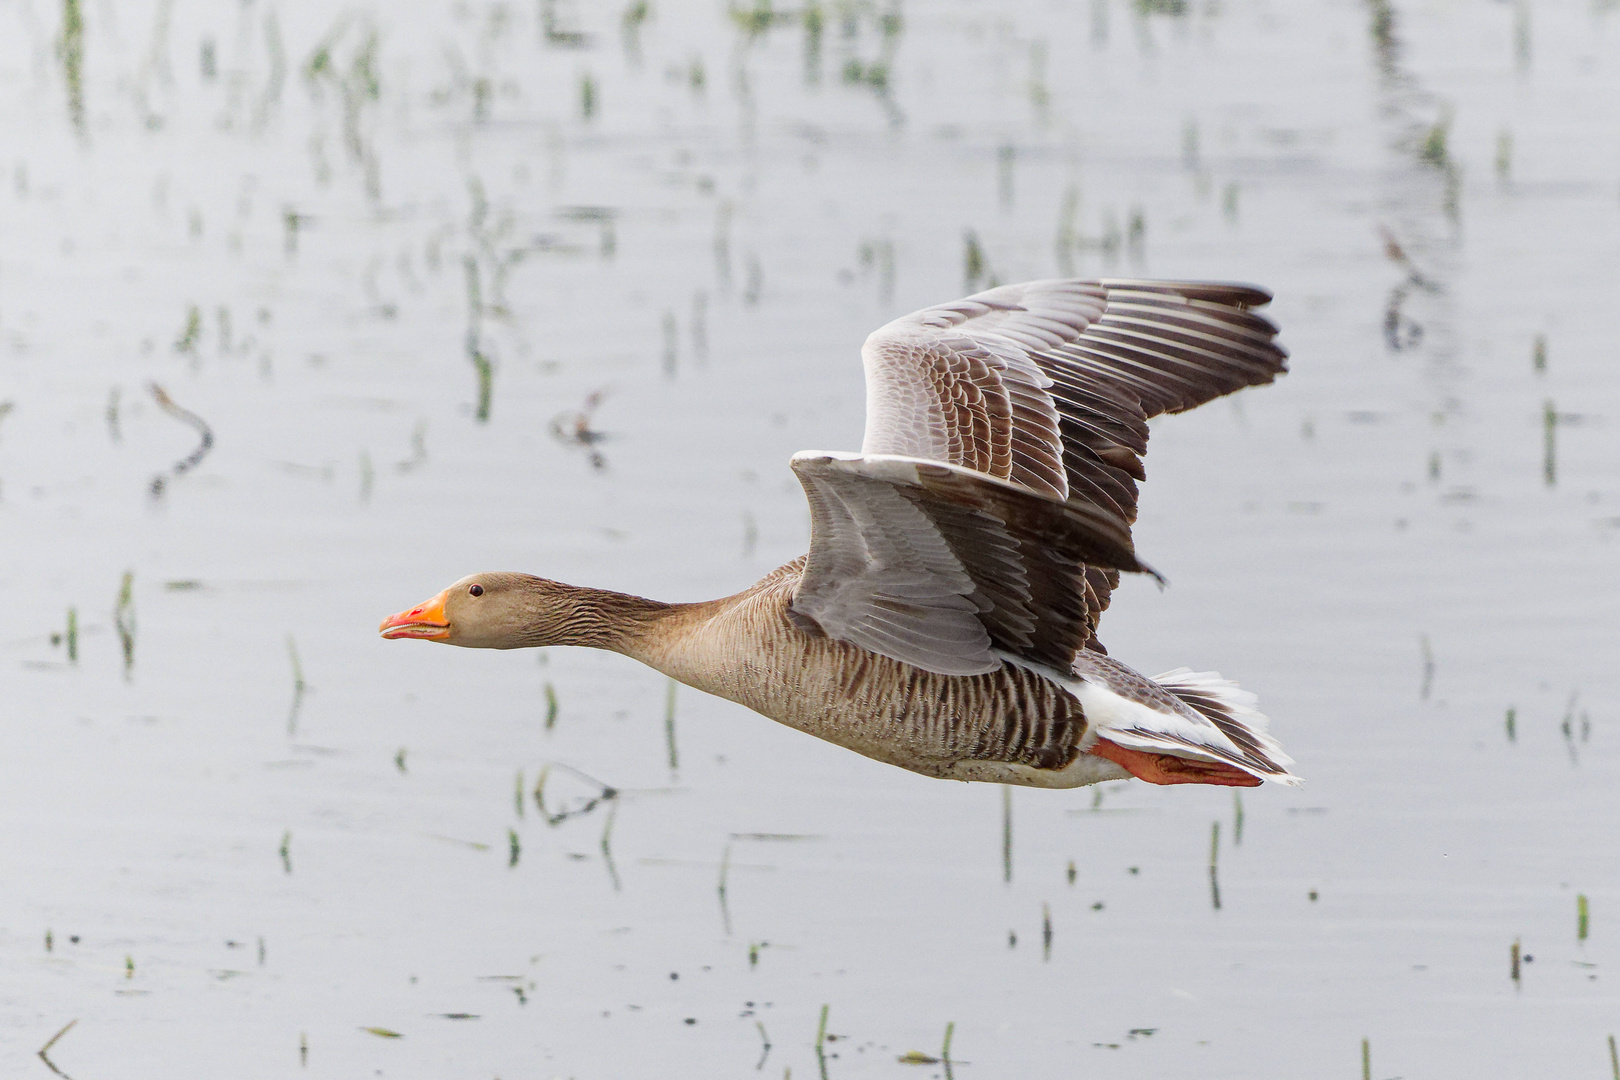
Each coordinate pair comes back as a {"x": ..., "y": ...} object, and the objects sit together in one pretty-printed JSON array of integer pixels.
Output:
[{"x": 991, "y": 504}]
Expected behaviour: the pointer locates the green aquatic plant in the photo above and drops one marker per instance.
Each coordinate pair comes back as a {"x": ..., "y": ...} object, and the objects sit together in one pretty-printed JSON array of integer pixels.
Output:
[
  {"x": 1006, "y": 833},
  {"x": 1549, "y": 443},
  {"x": 669, "y": 724},
  {"x": 124, "y": 620},
  {"x": 70, "y": 50}
]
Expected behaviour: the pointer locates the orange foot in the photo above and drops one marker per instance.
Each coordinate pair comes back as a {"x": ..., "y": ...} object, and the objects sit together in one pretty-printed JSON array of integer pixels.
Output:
[{"x": 1169, "y": 769}]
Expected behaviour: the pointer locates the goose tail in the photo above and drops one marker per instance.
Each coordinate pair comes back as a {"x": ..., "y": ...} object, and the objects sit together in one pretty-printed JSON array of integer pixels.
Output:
[{"x": 1232, "y": 710}]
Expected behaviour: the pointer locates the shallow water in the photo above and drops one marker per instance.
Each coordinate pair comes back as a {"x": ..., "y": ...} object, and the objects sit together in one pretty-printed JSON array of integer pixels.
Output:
[{"x": 1373, "y": 544}]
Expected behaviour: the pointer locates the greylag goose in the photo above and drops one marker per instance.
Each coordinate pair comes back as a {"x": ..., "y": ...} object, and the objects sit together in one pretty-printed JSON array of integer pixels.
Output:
[{"x": 945, "y": 618}]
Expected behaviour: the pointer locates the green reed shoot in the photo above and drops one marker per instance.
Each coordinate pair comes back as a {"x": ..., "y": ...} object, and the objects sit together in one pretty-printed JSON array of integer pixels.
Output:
[
  {"x": 73, "y": 635},
  {"x": 517, "y": 794},
  {"x": 186, "y": 343},
  {"x": 1513, "y": 962},
  {"x": 1237, "y": 818},
  {"x": 299, "y": 685},
  {"x": 1366, "y": 1060},
  {"x": 1006, "y": 833},
  {"x": 285, "y": 851},
  {"x": 124, "y": 620},
  {"x": 725, "y": 872},
  {"x": 1046, "y": 932},
  {"x": 1214, "y": 859},
  {"x": 635, "y": 14},
  {"x": 1549, "y": 444},
  {"x": 70, "y": 50},
  {"x": 514, "y": 848},
  {"x": 1583, "y": 917},
  {"x": 551, "y": 706},
  {"x": 587, "y": 96},
  {"x": 974, "y": 266},
  {"x": 821, "y": 1031},
  {"x": 1538, "y": 355},
  {"x": 399, "y": 760},
  {"x": 486, "y": 379},
  {"x": 669, "y": 725},
  {"x": 813, "y": 20}
]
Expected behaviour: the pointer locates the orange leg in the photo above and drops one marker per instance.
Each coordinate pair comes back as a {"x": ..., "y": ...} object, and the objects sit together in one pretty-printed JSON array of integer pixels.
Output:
[{"x": 1169, "y": 769}]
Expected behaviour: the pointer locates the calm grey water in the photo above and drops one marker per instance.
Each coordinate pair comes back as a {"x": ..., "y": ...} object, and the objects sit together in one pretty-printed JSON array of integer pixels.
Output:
[{"x": 302, "y": 225}]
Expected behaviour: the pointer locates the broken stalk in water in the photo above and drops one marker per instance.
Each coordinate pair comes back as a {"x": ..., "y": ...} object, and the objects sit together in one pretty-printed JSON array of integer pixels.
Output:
[
  {"x": 44, "y": 1051},
  {"x": 607, "y": 843},
  {"x": 765, "y": 1045}
]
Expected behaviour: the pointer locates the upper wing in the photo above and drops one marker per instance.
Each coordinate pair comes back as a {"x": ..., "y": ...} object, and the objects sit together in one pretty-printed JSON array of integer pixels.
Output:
[{"x": 1046, "y": 386}]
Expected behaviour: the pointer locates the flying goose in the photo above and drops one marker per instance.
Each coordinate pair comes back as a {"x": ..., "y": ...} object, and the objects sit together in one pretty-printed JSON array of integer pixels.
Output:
[{"x": 945, "y": 617}]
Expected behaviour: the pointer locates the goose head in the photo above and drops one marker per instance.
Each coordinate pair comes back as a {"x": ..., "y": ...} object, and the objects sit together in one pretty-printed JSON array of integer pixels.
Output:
[
  {"x": 486, "y": 611},
  {"x": 503, "y": 610}
]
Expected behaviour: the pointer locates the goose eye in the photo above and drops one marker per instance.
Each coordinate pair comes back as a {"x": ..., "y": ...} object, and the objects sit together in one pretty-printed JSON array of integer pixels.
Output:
[{"x": 476, "y": 590}]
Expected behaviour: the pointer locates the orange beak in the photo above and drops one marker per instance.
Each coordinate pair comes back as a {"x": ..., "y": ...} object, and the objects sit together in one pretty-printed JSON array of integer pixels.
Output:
[{"x": 426, "y": 621}]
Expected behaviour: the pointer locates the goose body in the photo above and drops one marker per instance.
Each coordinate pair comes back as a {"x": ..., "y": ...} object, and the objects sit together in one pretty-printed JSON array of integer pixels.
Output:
[{"x": 945, "y": 617}]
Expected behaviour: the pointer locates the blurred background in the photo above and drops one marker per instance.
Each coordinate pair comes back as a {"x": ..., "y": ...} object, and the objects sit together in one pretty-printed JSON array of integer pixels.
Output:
[{"x": 308, "y": 310}]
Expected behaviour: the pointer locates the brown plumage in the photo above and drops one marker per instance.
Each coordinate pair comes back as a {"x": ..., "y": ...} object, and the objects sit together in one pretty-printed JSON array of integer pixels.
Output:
[{"x": 945, "y": 617}]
